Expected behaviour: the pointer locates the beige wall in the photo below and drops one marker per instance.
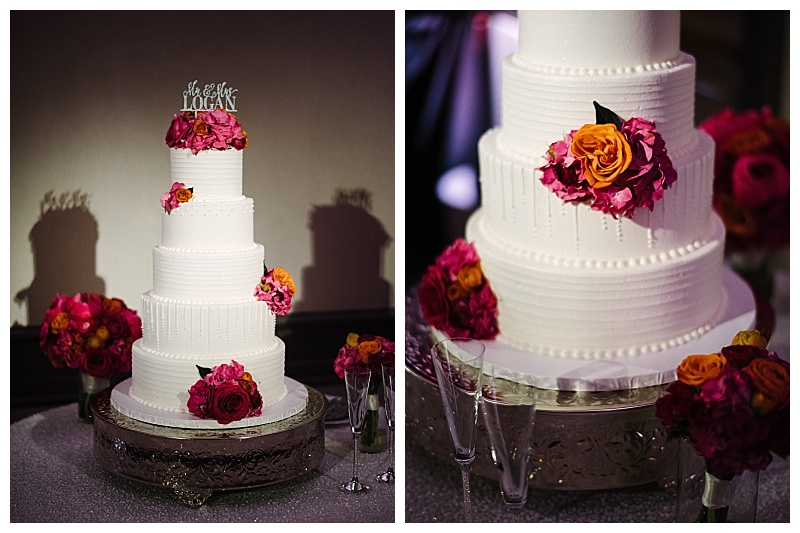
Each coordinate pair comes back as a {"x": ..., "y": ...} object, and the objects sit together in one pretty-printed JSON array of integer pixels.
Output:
[{"x": 93, "y": 95}]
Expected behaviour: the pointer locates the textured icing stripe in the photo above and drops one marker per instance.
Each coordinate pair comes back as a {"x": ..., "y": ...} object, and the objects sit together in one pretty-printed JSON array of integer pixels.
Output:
[
  {"x": 211, "y": 173},
  {"x": 209, "y": 224},
  {"x": 193, "y": 274},
  {"x": 188, "y": 329}
]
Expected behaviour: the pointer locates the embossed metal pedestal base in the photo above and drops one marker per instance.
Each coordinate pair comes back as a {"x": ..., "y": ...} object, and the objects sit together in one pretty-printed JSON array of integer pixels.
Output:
[
  {"x": 195, "y": 463},
  {"x": 583, "y": 440}
]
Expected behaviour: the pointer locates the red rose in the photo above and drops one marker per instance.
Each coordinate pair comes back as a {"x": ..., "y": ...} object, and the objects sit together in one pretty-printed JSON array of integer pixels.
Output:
[
  {"x": 433, "y": 297},
  {"x": 98, "y": 363},
  {"x": 229, "y": 403}
]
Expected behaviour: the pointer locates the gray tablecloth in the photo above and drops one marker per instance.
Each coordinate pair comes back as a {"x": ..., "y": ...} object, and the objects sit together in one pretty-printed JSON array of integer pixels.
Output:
[
  {"x": 54, "y": 479},
  {"x": 433, "y": 494}
]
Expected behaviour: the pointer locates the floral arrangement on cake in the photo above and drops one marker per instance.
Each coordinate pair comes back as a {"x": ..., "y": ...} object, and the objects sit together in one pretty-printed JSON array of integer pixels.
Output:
[
  {"x": 210, "y": 130},
  {"x": 225, "y": 393},
  {"x": 91, "y": 333},
  {"x": 365, "y": 350},
  {"x": 277, "y": 289},
  {"x": 456, "y": 297},
  {"x": 175, "y": 196},
  {"x": 733, "y": 406},
  {"x": 616, "y": 165},
  {"x": 751, "y": 178}
]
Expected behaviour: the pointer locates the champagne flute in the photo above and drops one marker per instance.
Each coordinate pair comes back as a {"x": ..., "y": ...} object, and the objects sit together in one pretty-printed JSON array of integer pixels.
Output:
[
  {"x": 508, "y": 409},
  {"x": 356, "y": 380},
  {"x": 387, "y": 370},
  {"x": 459, "y": 367}
]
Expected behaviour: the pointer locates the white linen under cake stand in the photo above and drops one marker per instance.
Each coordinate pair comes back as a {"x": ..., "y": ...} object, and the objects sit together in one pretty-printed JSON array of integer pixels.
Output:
[
  {"x": 293, "y": 403},
  {"x": 635, "y": 372}
]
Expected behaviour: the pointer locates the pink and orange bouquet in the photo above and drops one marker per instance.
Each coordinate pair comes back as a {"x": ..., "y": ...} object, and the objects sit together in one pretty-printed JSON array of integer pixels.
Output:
[
  {"x": 225, "y": 393},
  {"x": 277, "y": 289},
  {"x": 456, "y": 297},
  {"x": 733, "y": 406},
  {"x": 751, "y": 178},
  {"x": 369, "y": 351},
  {"x": 175, "y": 196},
  {"x": 616, "y": 165},
  {"x": 91, "y": 333},
  {"x": 211, "y": 130}
]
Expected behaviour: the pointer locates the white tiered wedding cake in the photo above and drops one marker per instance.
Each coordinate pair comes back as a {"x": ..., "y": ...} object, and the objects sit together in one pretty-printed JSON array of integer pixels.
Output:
[{"x": 203, "y": 310}]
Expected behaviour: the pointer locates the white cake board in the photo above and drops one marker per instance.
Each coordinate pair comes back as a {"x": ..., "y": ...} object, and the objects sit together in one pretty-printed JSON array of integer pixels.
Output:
[
  {"x": 645, "y": 370},
  {"x": 293, "y": 403}
]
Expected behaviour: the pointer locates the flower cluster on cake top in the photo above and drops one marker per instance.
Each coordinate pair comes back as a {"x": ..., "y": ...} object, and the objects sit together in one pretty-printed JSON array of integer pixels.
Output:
[
  {"x": 616, "y": 165},
  {"x": 225, "y": 393},
  {"x": 456, "y": 297},
  {"x": 211, "y": 130},
  {"x": 277, "y": 289}
]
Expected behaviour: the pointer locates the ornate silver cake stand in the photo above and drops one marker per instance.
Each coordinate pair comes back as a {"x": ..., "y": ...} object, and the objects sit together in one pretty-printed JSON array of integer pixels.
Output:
[
  {"x": 584, "y": 440},
  {"x": 196, "y": 463}
]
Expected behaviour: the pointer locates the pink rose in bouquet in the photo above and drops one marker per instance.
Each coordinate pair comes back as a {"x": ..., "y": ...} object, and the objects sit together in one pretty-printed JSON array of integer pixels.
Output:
[
  {"x": 225, "y": 393},
  {"x": 91, "y": 333},
  {"x": 455, "y": 296},
  {"x": 277, "y": 289}
]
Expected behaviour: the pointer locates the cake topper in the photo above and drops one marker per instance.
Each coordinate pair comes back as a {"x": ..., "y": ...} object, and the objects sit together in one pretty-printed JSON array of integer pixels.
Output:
[{"x": 211, "y": 96}]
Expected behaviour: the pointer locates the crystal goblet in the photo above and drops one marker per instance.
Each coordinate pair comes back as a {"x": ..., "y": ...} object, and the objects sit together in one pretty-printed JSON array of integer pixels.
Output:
[
  {"x": 356, "y": 381},
  {"x": 387, "y": 371},
  {"x": 459, "y": 368}
]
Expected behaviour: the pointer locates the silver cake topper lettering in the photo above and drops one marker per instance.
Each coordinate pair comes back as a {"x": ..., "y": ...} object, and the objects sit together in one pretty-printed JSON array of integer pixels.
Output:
[{"x": 210, "y": 97}]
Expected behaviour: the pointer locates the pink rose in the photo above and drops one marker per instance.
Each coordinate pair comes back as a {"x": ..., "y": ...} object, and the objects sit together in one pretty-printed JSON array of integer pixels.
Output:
[
  {"x": 759, "y": 179},
  {"x": 229, "y": 402},
  {"x": 455, "y": 257}
]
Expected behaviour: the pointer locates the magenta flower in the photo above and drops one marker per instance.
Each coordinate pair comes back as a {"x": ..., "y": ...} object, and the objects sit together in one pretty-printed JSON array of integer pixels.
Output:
[
  {"x": 225, "y": 393},
  {"x": 277, "y": 289},
  {"x": 176, "y": 134},
  {"x": 213, "y": 130},
  {"x": 169, "y": 199}
]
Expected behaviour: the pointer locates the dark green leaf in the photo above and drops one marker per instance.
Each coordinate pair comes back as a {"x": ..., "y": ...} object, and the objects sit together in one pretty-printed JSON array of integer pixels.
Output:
[
  {"x": 604, "y": 115},
  {"x": 203, "y": 371}
]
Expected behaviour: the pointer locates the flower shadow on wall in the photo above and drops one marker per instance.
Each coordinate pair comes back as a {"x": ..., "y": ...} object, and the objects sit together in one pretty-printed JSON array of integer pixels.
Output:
[
  {"x": 64, "y": 246},
  {"x": 347, "y": 257}
]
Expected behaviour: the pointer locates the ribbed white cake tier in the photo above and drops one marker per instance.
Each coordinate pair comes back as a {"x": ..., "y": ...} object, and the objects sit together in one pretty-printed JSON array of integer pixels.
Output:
[
  {"x": 540, "y": 105},
  {"x": 220, "y": 274},
  {"x": 210, "y": 173},
  {"x": 209, "y": 224},
  {"x": 654, "y": 367},
  {"x": 602, "y": 309},
  {"x": 192, "y": 327},
  {"x": 518, "y": 211},
  {"x": 292, "y": 403},
  {"x": 162, "y": 380}
]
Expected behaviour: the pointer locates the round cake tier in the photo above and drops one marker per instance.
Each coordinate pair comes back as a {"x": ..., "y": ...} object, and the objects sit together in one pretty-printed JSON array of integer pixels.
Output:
[
  {"x": 210, "y": 173},
  {"x": 543, "y": 104},
  {"x": 602, "y": 309},
  {"x": 208, "y": 224},
  {"x": 162, "y": 380},
  {"x": 598, "y": 39},
  {"x": 520, "y": 212},
  {"x": 190, "y": 327},
  {"x": 221, "y": 274}
]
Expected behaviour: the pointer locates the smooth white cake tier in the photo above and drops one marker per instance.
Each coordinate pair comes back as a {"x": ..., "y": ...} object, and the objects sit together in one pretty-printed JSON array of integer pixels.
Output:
[
  {"x": 518, "y": 211},
  {"x": 598, "y": 39},
  {"x": 210, "y": 173},
  {"x": 162, "y": 380},
  {"x": 590, "y": 309},
  {"x": 208, "y": 224},
  {"x": 540, "y": 105},
  {"x": 219, "y": 274},
  {"x": 200, "y": 327}
]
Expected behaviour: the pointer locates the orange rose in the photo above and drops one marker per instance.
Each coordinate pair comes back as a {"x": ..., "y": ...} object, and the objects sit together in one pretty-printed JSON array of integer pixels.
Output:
[
  {"x": 247, "y": 382},
  {"x": 59, "y": 322},
  {"x": 352, "y": 339},
  {"x": 94, "y": 342},
  {"x": 737, "y": 219},
  {"x": 750, "y": 338},
  {"x": 771, "y": 381},
  {"x": 102, "y": 333},
  {"x": 697, "y": 369},
  {"x": 112, "y": 305},
  {"x": 284, "y": 278},
  {"x": 367, "y": 348},
  {"x": 749, "y": 142},
  {"x": 456, "y": 291},
  {"x": 470, "y": 277},
  {"x": 183, "y": 195},
  {"x": 603, "y": 151},
  {"x": 201, "y": 128}
]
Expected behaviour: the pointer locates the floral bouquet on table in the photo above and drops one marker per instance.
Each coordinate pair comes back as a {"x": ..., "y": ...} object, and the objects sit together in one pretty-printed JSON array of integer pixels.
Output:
[
  {"x": 456, "y": 297},
  {"x": 616, "y": 165},
  {"x": 93, "y": 334},
  {"x": 751, "y": 188},
  {"x": 369, "y": 351},
  {"x": 733, "y": 407},
  {"x": 225, "y": 393}
]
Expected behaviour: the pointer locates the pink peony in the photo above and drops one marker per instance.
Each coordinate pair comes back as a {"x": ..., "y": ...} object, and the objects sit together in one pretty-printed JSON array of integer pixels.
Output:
[
  {"x": 758, "y": 180},
  {"x": 169, "y": 201},
  {"x": 176, "y": 134}
]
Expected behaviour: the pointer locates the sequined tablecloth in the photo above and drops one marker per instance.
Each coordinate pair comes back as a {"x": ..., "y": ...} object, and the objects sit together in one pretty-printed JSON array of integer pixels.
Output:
[{"x": 54, "y": 478}]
